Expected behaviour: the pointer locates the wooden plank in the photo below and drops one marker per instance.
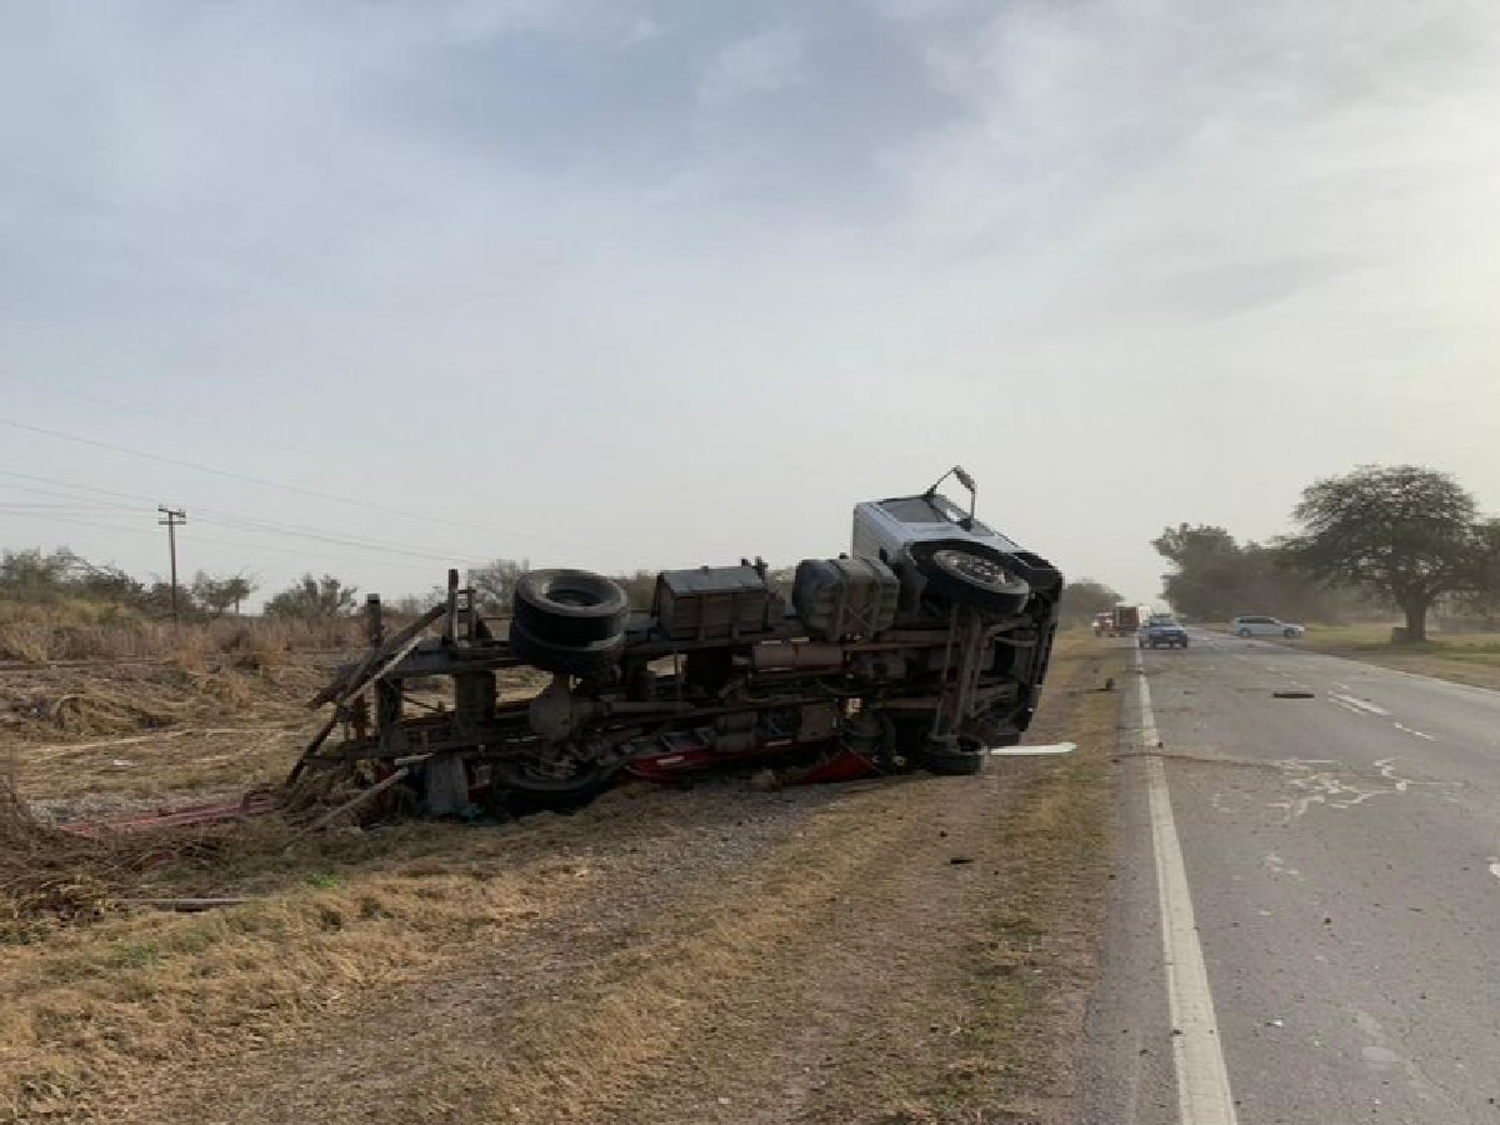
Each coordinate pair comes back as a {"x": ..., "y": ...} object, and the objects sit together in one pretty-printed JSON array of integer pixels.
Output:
[
  {"x": 344, "y": 686},
  {"x": 348, "y": 806},
  {"x": 340, "y": 708}
]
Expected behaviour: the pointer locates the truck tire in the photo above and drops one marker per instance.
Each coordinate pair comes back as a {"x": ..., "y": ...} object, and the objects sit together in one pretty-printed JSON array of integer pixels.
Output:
[
  {"x": 909, "y": 737},
  {"x": 582, "y": 660},
  {"x": 1243, "y": 633},
  {"x": 946, "y": 762},
  {"x": 962, "y": 575},
  {"x": 536, "y": 793},
  {"x": 1035, "y": 571},
  {"x": 570, "y": 607}
]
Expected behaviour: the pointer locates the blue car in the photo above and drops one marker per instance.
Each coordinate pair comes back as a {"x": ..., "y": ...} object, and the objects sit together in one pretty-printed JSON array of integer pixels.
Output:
[{"x": 1163, "y": 634}]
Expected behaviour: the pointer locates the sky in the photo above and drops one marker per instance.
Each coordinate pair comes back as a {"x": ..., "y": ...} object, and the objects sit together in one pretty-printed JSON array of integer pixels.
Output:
[{"x": 380, "y": 287}]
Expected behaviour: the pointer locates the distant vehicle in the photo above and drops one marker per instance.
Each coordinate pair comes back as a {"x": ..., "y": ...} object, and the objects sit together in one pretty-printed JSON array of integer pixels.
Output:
[
  {"x": 1161, "y": 631},
  {"x": 1264, "y": 627},
  {"x": 1103, "y": 623},
  {"x": 1126, "y": 619}
]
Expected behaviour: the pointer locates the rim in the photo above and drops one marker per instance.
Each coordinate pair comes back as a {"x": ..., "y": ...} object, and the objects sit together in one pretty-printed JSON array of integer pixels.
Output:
[{"x": 975, "y": 568}]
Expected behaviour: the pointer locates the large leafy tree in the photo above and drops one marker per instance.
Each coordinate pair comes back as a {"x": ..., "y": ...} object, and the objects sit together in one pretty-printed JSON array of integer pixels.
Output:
[
  {"x": 1406, "y": 533},
  {"x": 1482, "y": 600}
]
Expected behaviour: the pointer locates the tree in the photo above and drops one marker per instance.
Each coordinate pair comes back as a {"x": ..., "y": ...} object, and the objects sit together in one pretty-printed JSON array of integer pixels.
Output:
[
  {"x": 313, "y": 599},
  {"x": 31, "y": 576},
  {"x": 495, "y": 582},
  {"x": 217, "y": 595},
  {"x": 1216, "y": 578},
  {"x": 1084, "y": 597},
  {"x": 1210, "y": 571},
  {"x": 108, "y": 583},
  {"x": 156, "y": 601},
  {"x": 1482, "y": 600},
  {"x": 1404, "y": 532}
]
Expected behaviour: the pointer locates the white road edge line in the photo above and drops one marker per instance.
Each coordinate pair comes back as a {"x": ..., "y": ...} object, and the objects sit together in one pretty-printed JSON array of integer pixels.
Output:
[
  {"x": 1362, "y": 704},
  {"x": 1203, "y": 1094},
  {"x": 1416, "y": 733}
]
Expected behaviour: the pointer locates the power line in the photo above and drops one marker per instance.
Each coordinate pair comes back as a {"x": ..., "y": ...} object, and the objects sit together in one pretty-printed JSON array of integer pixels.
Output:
[
  {"x": 148, "y": 412},
  {"x": 245, "y": 478},
  {"x": 252, "y": 548},
  {"x": 19, "y": 506},
  {"x": 67, "y": 484},
  {"x": 81, "y": 523},
  {"x": 251, "y": 523},
  {"x": 368, "y": 545}
]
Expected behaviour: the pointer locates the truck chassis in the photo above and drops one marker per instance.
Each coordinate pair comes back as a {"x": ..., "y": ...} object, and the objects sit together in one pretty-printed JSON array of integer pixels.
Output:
[{"x": 926, "y": 657}]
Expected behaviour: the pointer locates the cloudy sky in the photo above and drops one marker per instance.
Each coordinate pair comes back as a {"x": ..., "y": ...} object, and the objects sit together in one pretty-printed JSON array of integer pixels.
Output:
[{"x": 368, "y": 287}]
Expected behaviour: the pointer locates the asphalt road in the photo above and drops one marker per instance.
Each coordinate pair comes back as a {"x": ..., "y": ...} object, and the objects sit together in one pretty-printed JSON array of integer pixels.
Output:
[{"x": 1340, "y": 863}]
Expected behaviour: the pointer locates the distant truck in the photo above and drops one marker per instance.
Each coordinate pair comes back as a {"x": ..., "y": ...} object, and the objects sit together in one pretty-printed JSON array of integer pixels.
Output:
[{"x": 1126, "y": 620}]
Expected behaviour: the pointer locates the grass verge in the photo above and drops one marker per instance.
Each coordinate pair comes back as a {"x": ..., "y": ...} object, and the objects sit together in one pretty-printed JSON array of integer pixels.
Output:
[
  {"x": 1464, "y": 658},
  {"x": 1033, "y": 966}
]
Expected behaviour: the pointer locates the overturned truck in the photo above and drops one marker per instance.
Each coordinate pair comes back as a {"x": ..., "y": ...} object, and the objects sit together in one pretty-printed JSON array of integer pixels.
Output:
[{"x": 923, "y": 647}]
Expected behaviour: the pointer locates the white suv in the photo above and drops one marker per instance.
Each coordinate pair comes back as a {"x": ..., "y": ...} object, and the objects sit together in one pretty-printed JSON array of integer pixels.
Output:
[{"x": 1264, "y": 627}]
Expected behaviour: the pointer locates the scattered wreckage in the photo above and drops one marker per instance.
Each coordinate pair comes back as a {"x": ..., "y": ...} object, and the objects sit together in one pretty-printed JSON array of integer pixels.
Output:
[{"x": 925, "y": 647}]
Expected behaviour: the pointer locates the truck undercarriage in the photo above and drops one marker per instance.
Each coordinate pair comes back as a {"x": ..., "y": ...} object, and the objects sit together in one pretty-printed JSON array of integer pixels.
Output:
[{"x": 925, "y": 650}]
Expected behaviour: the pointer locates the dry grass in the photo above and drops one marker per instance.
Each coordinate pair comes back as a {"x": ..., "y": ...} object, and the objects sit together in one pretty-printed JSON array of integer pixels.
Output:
[
  {"x": 380, "y": 942},
  {"x": 1039, "y": 935},
  {"x": 113, "y": 732},
  {"x": 99, "y": 996},
  {"x": 45, "y": 635}
]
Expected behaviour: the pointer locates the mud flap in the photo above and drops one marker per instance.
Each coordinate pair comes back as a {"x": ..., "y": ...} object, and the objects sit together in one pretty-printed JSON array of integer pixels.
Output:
[{"x": 843, "y": 764}]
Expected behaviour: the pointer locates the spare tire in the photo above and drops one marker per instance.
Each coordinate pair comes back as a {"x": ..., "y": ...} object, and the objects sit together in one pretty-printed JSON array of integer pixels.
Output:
[
  {"x": 961, "y": 574},
  {"x": 589, "y": 659},
  {"x": 570, "y": 607}
]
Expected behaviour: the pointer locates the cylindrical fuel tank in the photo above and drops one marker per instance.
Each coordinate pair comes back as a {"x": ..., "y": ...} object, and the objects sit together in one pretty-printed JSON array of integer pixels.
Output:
[{"x": 843, "y": 599}]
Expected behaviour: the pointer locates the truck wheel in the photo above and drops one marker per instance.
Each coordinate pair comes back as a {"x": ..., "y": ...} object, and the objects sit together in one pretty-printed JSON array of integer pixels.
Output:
[
  {"x": 1035, "y": 571},
  {"x": 574, "y": 660},
  {"x": 570, "y": 607},
  {"x": 550, "y": 791},
  {"x": 964, "y": 576},
  {"x": 1243, "y": 633},
  {"x": 949, "y": 761}
]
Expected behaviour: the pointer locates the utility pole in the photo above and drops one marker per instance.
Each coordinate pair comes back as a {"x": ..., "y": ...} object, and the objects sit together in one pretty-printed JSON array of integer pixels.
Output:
[{"x": 176, "y": 517}]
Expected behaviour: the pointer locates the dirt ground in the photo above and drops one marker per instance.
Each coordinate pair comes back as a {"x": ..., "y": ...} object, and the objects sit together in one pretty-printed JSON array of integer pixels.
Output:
[{"x": 906, "y": 950}]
